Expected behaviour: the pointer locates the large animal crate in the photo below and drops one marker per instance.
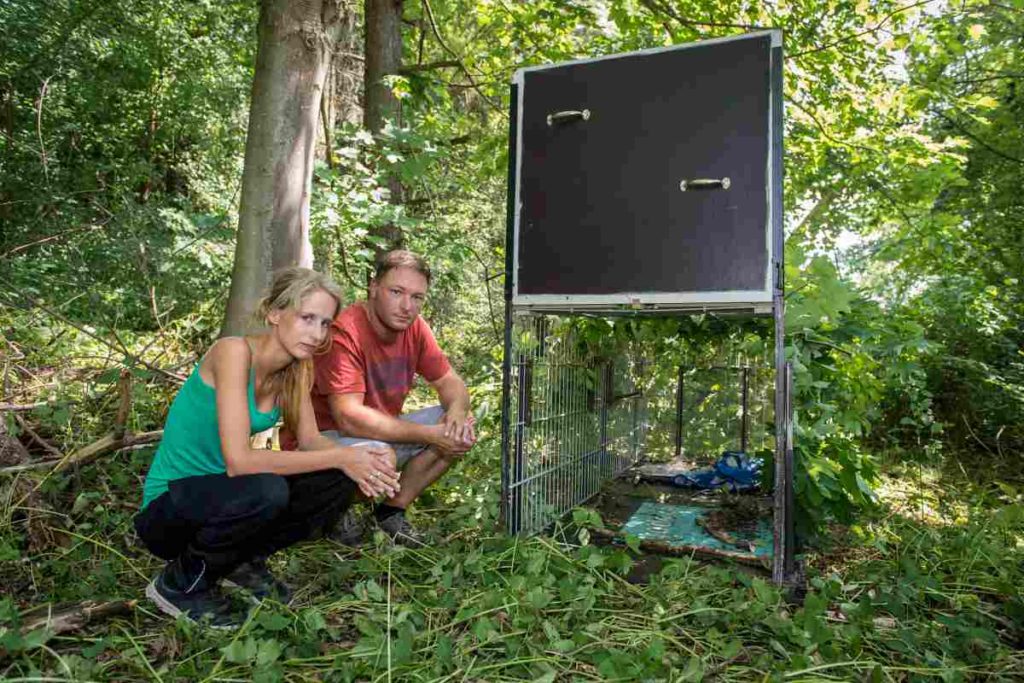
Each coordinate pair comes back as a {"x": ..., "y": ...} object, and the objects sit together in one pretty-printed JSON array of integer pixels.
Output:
[{"x": 642, "y": 184}]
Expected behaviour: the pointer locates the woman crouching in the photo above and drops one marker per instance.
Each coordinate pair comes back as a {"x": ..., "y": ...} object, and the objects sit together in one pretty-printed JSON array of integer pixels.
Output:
[{"x": 214, "y": 507}]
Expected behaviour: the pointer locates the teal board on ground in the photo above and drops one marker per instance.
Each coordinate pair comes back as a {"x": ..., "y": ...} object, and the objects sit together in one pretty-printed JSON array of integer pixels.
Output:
[{"x": 677, "y": 525}]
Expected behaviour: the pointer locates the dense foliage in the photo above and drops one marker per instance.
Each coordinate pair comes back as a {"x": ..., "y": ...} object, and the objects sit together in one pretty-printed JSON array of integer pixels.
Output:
[{"x": 121, "y": 133}]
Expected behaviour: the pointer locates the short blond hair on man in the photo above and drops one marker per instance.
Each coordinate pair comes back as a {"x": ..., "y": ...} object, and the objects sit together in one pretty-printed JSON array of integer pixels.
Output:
[{"x": 401, "y": 258}]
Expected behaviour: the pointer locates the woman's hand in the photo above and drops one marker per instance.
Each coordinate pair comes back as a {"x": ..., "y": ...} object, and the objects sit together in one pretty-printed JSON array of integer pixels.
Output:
[{"x": 372, "y": 468}]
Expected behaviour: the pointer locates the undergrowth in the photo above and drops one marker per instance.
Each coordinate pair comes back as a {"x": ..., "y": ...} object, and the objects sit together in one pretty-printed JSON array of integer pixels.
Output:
[{"x": 928, "y": 587}]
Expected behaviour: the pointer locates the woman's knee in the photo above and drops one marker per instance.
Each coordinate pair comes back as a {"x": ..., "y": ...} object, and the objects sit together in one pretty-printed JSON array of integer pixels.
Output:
[
  {"x": 260, "y": 495},
  {"x": 273, "y": 491}
]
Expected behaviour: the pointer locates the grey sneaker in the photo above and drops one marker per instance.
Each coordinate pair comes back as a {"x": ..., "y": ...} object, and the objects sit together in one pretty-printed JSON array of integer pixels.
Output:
[
  {"x": 200, "y": 601},
  {"x": 353, "y": 527},
  {"x": 400, "y": 531},
  {"x": 254, "y": 576}
]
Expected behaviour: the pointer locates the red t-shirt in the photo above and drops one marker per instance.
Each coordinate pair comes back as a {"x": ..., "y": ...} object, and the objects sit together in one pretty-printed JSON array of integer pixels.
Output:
[{"x": 358, "y": 362}]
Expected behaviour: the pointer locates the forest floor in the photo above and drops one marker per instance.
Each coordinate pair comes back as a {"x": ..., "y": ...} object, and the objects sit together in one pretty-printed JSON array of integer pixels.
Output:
[{"x": 928, "y": 586}]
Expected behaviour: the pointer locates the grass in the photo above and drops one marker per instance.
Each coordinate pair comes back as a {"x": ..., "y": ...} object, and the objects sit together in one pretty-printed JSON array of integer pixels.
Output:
[{"x": 926, "y": 587}]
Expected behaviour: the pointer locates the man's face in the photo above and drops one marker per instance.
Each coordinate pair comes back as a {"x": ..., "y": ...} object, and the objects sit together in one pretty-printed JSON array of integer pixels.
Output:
[{"x": 398, "y": 297}]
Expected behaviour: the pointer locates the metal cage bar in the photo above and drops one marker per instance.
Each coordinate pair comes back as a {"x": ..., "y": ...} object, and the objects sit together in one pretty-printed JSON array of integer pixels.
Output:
[{"x": 735, "y": 404}]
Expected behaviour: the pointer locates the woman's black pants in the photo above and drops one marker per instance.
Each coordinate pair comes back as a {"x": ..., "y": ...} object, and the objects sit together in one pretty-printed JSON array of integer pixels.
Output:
[{"x": 225, "y": 521}]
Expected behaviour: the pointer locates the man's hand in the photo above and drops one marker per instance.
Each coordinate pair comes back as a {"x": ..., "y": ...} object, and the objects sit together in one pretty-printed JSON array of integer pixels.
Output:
[
  {"x": 458, "y": 426},
  {"x": 448, "y": 445}
]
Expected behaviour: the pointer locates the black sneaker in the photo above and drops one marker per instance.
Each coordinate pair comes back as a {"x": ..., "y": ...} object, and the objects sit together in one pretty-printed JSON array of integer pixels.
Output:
[
  {"x": 400, "y": 531},
  {"x": 200, "y": 600},
  {"x": 254, "y": 576},
  {"x": 352, "y": 528}
]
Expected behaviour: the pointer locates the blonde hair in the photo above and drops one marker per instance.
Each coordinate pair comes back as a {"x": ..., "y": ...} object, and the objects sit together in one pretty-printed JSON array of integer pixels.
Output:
[
  {"x": 401, "y": 258},
  {"x": 288, "y": 288}
]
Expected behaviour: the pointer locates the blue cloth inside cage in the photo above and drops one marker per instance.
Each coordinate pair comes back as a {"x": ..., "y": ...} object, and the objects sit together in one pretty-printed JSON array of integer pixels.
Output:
[{"x": 735, "y": 470}]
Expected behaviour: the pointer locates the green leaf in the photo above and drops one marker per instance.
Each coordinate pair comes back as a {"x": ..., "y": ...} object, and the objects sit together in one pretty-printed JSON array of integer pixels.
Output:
[
  {"x": 563, "y": 645},
  {"x": 694, "y": 670},
  {"x": 8, "y": 552},
  {"x": 538, "y": 598},
  {"x": 484, "y": 628},
  {"x": 443, "y": 650},
  {"x": 268, "y": 651},
  {"x": 764, "y": 593},
  {"x": 240, "y": 651},
  {"x": 274, "y": 622},
  {"x": 94, "y": 650}
]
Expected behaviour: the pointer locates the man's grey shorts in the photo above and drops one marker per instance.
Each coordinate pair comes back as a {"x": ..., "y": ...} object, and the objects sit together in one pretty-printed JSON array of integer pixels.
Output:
[{"x": 404, "y": 452}]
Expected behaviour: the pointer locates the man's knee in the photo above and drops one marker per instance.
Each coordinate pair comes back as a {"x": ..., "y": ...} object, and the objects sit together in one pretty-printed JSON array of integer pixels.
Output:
[
  {"x": 425, "y": 416},
  {"x": 337, "y": 438}
]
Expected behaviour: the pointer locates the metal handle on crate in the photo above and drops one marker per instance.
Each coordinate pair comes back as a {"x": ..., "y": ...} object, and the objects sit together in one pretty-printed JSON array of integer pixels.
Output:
[
  {"x": 705, "y": 184},
  {"x": 569, "y": 115}
]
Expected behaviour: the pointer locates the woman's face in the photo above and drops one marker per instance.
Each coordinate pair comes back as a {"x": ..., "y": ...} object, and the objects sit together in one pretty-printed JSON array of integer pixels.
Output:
[{"x": 302, "y": 330}]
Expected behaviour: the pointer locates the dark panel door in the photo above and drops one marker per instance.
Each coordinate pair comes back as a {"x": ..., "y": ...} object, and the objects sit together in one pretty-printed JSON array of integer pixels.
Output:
[{"x": 601, "y": 207}]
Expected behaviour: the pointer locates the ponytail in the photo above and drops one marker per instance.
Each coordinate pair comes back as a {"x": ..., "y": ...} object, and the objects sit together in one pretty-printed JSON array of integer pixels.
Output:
[{"x": 293, "y": 384}]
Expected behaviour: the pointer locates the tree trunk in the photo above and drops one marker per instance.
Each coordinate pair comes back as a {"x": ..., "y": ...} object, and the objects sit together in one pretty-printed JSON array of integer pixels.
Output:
[
  {"x": 296, "y": 43},
  {"x": 342, "y": 101},
  {"x": 383, "y": 58}
]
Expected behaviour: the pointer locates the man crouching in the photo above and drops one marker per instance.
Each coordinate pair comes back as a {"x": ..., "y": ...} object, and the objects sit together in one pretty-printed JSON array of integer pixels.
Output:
[{"x": 361, "y": 383}]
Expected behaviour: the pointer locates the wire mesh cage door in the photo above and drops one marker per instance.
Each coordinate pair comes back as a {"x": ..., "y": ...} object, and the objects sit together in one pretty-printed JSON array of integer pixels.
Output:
[{"x": 574, "y": 421}]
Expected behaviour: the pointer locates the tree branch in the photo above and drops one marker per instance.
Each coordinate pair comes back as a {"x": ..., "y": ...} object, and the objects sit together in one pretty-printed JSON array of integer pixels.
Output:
[
  {"x": 22, "y": 407},
  {"x": 35, "y": 437},
  {"x": 458, "y": 60},
  {"x": 110, "y": 442},
  {"x": 429, "y": 66},
  {"x": 659, "y": 8},
  {"x": 685, "y": 550},
  {"x": 881, "y": 24},
  {"x": 76, "y": 617},
  {"x": 51, "y": 238},
  {"x": 87, "y": 454},
  {"x": 828, "y": 136},
  {"x": 119, "y": 347},
  {"x": 960, "y": 127},
  {"x": 39, "y": 127}
]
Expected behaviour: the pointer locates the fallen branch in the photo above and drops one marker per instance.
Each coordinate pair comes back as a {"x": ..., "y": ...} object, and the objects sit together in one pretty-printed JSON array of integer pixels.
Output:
[
  {"x": 74, "y": 618},
  {"x": 684, "y": 550},
  {"x": 46, "y": 446},
  {"x": 973, "y": 435},
  {"x": 124, "y": 406},
  {"x": 110, "y": 442},
  {"x": 42, "y": 464},
  {"x": 22, "y": 407},
  {"x": 725, "y": 536},
  {"x": 107, "y": 444}
]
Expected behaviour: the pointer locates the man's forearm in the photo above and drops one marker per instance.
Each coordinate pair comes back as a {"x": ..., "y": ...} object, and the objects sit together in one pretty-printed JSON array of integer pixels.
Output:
[
  {"x": 366, "y": 422},
  {"x": 454, "y": 396}
]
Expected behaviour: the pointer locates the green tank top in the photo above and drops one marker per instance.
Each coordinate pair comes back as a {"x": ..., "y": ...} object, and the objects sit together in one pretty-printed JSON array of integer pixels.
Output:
[{"x": 191, "y": 443}]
